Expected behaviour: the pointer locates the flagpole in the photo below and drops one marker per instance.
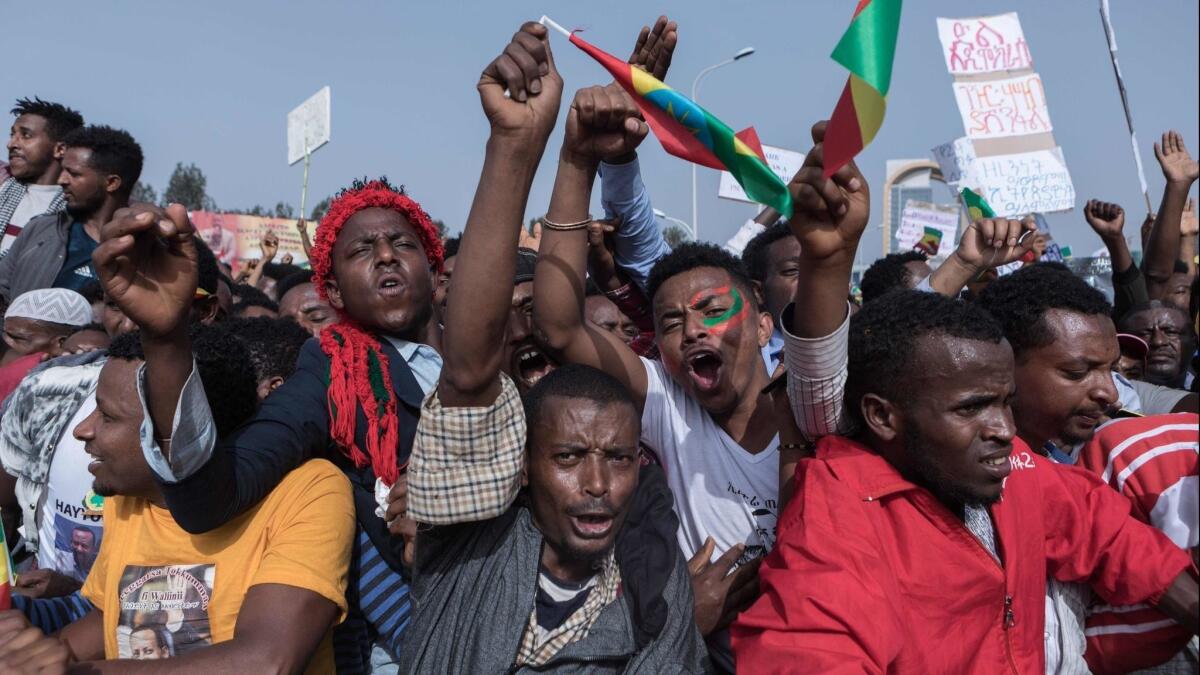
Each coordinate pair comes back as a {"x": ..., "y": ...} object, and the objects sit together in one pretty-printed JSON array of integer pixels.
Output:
[
  {"x": 550, "y": 23},
  {"x": 1112, "y": 53},
  {"x": 304, "y": 186}
]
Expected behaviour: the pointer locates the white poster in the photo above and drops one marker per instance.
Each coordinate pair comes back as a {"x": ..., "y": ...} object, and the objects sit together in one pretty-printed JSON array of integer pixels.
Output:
[
  {"x": 1012, "y": 106},
  {"x": 1023, "y": 183},
  {"x": 955, "y": 159},
  {"x": 918, "y": 215},
  {"x": 985, "y": 44},
  {"x": 308, "y": 126},
  {"x": 785, "y": 164}
]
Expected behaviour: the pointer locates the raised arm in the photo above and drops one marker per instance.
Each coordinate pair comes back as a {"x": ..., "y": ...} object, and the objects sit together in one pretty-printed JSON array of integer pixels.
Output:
[
  {"x": 602, "y": 122},
  {"x": 1162, "y": 249},
  {"x": 987, "y": 243},
  {"x": 829, "y": 218},
  {"x": 1108, "y": 222},
  {"x": 270, "y": 247},
  {"x": 477, "y": 312}
]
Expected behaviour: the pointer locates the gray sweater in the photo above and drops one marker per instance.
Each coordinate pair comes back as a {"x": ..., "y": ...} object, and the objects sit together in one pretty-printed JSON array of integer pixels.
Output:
[
  {"x": 35, "y": 257},
  {"x": 474, "y": 591}
]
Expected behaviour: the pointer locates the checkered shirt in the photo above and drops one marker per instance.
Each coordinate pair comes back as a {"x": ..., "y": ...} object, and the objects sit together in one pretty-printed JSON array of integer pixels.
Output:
[
  {"x": 466, "y": 462},
  {"x": 576, "y": 627}
]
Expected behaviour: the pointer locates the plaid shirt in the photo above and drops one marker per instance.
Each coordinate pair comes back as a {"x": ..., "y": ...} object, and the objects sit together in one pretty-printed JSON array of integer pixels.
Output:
[
  {"x": 534, "y": 653},
  {"x": 466, "y": 462}
]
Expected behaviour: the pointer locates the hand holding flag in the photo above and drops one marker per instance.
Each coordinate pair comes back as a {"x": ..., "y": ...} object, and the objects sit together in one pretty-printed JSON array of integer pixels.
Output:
[
  {"x": 603, "y": 124},
  {"x": 526, "y": 71},
  {"x": 831, "y": 213}
]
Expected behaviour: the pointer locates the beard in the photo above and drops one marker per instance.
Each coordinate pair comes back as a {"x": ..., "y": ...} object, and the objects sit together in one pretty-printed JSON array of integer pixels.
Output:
[{"x": 927, "y": 473}]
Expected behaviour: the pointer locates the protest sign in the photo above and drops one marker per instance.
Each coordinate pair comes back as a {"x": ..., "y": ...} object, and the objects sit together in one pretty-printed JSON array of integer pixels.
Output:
[
  {"x": 955, "y": 159},
  {"x": 918, "y": 215},
  {"x": 1023, "y": 183},
  {"x": 1011, "y": 106},
  {"x": 234, "y": 237},
  {"x": 308, "y": 126},
  {"x": 985, "y": 44},
  {"x": 785, "y": 164}
]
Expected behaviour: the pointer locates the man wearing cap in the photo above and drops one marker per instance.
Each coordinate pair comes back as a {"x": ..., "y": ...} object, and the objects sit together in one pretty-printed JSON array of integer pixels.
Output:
[
  {"x": 1133, "y": 356},
  {"x": 37, "y": 323}
]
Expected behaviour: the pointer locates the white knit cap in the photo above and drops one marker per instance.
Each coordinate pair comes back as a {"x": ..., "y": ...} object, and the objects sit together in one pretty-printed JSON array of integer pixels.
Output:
[{"x": 56, "y": 305}]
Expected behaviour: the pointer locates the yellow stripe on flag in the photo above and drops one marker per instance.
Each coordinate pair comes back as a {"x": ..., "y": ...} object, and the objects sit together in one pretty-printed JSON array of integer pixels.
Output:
[
  {"x": 868, "y": 106},
  {"x": 644, "y": 82}
]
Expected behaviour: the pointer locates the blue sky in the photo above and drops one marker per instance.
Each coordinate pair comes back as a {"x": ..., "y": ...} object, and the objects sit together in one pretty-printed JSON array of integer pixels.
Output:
[{"x": 211, "y": 83}]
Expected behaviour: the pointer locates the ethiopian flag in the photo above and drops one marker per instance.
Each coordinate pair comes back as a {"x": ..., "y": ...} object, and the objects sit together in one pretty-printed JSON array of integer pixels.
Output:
[
  {"x": 930, "y": 242},
  {"x": 867, "y": 49},
  {"x": 690, "y": 132},
  {"x": 977, "y": 206},
  {"x": 6, "y": 573}
]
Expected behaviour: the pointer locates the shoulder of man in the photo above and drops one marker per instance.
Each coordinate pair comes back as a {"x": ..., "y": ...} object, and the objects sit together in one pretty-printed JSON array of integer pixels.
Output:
[{"x": 316, "y": 480}]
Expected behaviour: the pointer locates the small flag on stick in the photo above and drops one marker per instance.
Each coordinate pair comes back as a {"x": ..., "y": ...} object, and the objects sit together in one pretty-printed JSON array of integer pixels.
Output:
[
  {"x": 7, "y": 581},
  {"x": 867, "y": 49},
  {"x": 690, "y": 132},
  {"x": 930, "y": 242},
  {"x": 977, "y": 206}
]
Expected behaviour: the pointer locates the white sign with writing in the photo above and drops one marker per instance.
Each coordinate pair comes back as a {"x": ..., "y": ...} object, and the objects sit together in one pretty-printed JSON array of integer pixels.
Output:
[
  {"x": 1024, "y": 182},
  {"x": 955, "y": 159},
  {"x": 308, "y": 126},
  {"x": 918, "y": 215},
  {"x": 1012, "y": 106},
  {"x": 785, "y": 164},
  {"x": 985, "y": 44}
]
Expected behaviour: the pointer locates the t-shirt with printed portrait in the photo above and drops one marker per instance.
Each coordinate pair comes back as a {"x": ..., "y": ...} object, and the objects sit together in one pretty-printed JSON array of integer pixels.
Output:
[{"x": 164, "y": 592}]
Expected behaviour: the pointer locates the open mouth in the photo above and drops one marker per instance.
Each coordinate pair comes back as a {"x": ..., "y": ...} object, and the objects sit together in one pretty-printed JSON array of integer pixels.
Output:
[
  {"x": 704, "y": 368},
  {"x": 592, "y": 526},
  {"x": 998, "y": 465},
  {"x": 390, "y": 285},
  {"x": 531, "y": 365}
]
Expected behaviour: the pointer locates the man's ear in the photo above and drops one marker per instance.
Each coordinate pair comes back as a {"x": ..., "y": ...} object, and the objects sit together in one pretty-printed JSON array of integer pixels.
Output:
[
  {"x": 113, "y": 183},
  {"x": 882, "y": 417},
  {"x": 766, "y": 326},
  {"x": 268, "y": 385},
  {"x": 759, "y": 293},
  {"x": 58, "y": 346},
  {"x": 207, "y": 309},
  {"x": 334, "y": 293},
  {"x": 60, "y": 149}
]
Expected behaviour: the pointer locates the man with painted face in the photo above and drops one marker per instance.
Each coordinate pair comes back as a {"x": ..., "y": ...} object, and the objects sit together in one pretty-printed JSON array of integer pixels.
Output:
[
  {"x": 924, "y": 542},
  {"x": 29, "y": 183},
  {"x": 100, "y": 166},
  {"x": 702, "y": 410}
]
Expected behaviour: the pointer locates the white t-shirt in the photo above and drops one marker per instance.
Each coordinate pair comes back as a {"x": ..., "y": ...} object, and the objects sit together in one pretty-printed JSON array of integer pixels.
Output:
[
  {"x": 721, "y": 490},
  {"x": 36, "y": 202},
  {"x": 71, "y": 522}
]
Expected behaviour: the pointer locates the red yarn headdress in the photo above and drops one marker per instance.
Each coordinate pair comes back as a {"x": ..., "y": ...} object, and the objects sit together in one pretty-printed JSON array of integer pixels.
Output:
[{"x": 358, "y": 366}]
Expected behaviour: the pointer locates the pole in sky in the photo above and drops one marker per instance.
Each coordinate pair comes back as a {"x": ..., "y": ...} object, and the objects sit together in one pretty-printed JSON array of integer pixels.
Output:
[
  {"x": 1112, "y": 53},
  {"x": 308, "y": 130}
]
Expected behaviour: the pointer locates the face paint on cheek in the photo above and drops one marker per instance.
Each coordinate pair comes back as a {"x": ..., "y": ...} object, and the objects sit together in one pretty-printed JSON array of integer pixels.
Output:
[{"x": 731, "y": 317}]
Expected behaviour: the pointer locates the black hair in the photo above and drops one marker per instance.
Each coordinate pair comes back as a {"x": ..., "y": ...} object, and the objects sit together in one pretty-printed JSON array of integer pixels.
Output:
[
  {"x": 225, "y": 369},
  {"x": 591, "y": 289},
  {"x": 161, "y": 635},
  {"x": 883, "y": 337},
  {"x": 246, "y": 292},
  {"x": 1181, "y": 267},
  {"x": 575, "y": 380},
  {"x": 60, "y": 120},
  {"x": 113, "y": 151},
  {"x": 92, "y": 291},
  {"x": 1019, "y": 301},
  {"x": 691, "y": 255},
  {"x": 451, "y": 247},
  {"x": 754, "y": 256},
  {"x": 291, "y": 281},
  {"x": 278, "y": 271},
  {"x": 247, "y": 302},
  {"x": 207, "y": 269},
  {"x": 274, "y": 344},
  {"x": 888, "y": 273}
]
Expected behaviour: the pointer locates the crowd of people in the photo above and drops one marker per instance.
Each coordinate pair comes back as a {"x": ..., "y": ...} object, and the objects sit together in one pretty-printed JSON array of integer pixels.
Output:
[{"x": 636, "y": 458}]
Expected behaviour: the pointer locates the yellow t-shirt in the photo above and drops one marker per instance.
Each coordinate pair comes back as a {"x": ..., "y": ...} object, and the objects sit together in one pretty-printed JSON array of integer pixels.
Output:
[{"x": 165, "y": 592}]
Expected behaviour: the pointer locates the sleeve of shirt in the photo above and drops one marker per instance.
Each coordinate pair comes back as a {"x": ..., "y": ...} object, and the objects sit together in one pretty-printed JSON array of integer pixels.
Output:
[
  {"x": 817, "y": 379},
  {"x": 193, "y": 432},
  {"x": 823, "y": 607},
  {"x": 1092, "y": 538},
  {"x": 1129, "y": 290},
  {"x": 309, "y": 544},
  {"x": 291, "y": 426},
  {"x": 749, "y": 230},
  {"x": 638, "y": 243},
  {"x": 1157, "y": 399},
  {"x": 466, "y": 462}
]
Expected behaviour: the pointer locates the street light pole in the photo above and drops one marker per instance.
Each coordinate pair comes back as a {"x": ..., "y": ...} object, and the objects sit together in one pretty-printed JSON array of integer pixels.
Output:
[
  {"x": 658, "y": 213},
  {"x": 743, "y": 53}
]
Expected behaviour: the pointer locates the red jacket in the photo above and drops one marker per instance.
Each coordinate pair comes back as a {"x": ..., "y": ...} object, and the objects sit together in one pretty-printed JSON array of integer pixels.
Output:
[{"x": 870, "y": 573}]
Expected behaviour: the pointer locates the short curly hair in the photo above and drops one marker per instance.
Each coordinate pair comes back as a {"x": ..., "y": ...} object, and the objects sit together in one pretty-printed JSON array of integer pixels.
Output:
[
  {"x": 1019, "y": 301},
  {"x": 225, "y": 369},
  {"x": 754, "y": 256},
  {"x": 113, "y": 151},
  {"x": 274, "y": 344},
  {"x": 888, "y": 273},
  {"x": 883, "y": 337},
  {"x": 692, "y": 255},
  {"x": 291, "y": 281},
  {"x": 60, "y": 120}
]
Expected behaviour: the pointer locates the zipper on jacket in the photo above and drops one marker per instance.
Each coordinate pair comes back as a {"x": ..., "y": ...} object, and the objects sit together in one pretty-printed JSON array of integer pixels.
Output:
[{"x": 1010, "y": 619}]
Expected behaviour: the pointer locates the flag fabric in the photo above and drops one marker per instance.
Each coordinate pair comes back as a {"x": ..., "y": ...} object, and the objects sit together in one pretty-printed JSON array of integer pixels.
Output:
[
  {"x": 1066, "y": 252},
  {"x": 977, "y": 206},
  {"x": 867, "y": 49},
  {"x": 690, "y": 132},
  {"x": 6, "y": 574},
  {"x": 930, "y": 242}
]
